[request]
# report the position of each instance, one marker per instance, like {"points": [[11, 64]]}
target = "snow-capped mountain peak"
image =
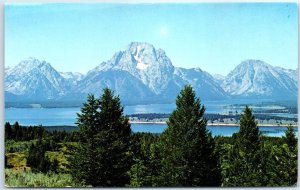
{"points": [[143, 66], [143, 74], [144, 62], [32, 63], [138, 50], [257, 78], [36, 79], [140, 47]]}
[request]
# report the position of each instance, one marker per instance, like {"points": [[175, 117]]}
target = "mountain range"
{"points": [[141, 74]]}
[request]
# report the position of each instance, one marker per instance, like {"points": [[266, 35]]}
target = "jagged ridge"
{"points": [[143, 74]]}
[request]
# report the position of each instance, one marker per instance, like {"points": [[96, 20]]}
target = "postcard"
{"points": [[151, 94]]}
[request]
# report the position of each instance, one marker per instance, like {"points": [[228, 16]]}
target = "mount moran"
{"points": [[142, 74]]}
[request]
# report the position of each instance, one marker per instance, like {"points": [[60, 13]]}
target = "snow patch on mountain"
{"points": [[144, 62], [257, 78], [72, 77], [290, 72], [35, 79], [219, 78], [142, 74]]}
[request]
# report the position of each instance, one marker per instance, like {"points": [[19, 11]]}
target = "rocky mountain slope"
{"points": [[36, 80], [141, 74], [257, 79]]}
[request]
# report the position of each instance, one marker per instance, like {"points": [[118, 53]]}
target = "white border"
{"points": [[2, 2], [148, 1]]}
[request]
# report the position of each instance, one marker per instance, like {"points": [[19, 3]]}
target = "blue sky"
{"points": [[213, 36]]}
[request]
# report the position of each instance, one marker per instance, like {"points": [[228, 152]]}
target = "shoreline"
{"points": [[210, 124], [165, 123]]}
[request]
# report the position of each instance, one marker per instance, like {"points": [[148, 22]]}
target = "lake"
{"points": [[67, 116], [274, 131]]}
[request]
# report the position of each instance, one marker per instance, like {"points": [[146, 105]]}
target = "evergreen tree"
{"points": [[291, 156], [17, 131], [241, 165], [7, 164], [37, 159], [278, 163], [83, 161], [103, 157], [290, 138], [268, 165], [54, 166], [145, 170], [187, 148], [248, 137], [8, 131]]}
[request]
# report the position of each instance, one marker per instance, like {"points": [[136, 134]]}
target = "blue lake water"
{"points": [[274, 131], [67, 116]]}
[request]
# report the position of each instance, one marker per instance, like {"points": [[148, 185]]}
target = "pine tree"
{"points": [[290, 138], [17, 131], [8, 131], [103, 157], [83, 161], [248, 136], [145, 170], [187, 147], [54, 166], [37, 159], [6, 161], [241, 165], [268, 165], [291, 156]]}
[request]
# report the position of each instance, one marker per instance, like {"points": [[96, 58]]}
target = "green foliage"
{"points": [[17, 146], [8, 131], [145, 170], [241, 163], [36, 158], [104, 152], [103, 157], [248, 136], [54, 166], [19, 133], [290, 138], [188, 157], [290, 156], [16, 159], [29, 179], [278, 162], [59, 160], [254, 160], [139, 175]]}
